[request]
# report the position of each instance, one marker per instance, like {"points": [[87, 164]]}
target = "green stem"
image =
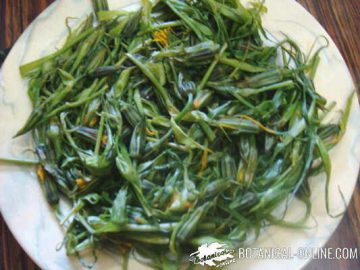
{"points": [[19, 161], [99, 134], [211, 68], [27, 68]]}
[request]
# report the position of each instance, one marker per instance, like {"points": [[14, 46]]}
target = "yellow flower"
{"points": [[80, 182], [104, 139], [162, 36], [41, 173], [204, 161], [150, 132], [93, 122], [197, 103]]}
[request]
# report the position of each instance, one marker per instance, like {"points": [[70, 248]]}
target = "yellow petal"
{"points": [[41, 173], [80, 182]]}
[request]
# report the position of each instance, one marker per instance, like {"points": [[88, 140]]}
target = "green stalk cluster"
{"points": [[173, 124]]}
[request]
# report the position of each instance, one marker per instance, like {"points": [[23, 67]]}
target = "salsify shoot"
{"points": [[174, 125]]}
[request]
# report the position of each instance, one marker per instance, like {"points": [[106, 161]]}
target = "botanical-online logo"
{"points": [[214, 254]]}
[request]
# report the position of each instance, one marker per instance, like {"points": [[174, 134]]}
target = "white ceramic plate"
{"points": [[33, 223]]}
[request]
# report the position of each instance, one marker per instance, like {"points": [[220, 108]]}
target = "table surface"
{"points": [[341, 20]]}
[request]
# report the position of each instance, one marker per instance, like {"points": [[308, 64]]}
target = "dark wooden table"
{"points": [[341, 18]]}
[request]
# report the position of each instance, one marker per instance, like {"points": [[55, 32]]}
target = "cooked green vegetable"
{"points": [[172, 125]]}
